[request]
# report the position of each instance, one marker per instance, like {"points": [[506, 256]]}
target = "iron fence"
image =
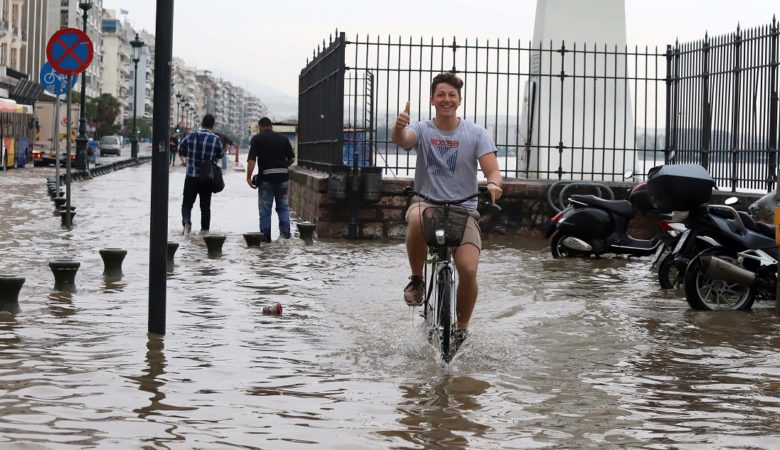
{"points": [[723, 103], [555, 111]]}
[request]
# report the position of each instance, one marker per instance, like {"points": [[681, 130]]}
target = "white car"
{"points": [[110, 145]]}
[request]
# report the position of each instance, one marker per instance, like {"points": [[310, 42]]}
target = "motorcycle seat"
{"points": [[759, 227], [619, 207]]}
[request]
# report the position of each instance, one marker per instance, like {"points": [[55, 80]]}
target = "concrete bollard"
{"points": [[253, 238], [306, 230], [64, 274], [9, 293], [172, 246], [64, 213], [214, 243], [112, 262]]}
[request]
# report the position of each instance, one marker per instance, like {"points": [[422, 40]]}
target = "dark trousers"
{"points": [[192, 189]]}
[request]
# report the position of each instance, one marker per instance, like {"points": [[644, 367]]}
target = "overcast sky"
{"points": [[269, 41]]}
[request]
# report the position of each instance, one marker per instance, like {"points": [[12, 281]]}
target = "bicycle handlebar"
{"points": [[410, 192]]}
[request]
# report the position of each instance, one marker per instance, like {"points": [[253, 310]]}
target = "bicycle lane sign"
{"points": [[55, 82], [69, 51]]}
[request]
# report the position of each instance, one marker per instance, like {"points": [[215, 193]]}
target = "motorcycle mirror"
{"points": [[628, 174], [731, 200]]}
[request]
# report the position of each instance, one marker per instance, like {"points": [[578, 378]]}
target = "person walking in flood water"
{"points": [[273, 154], [448, 151], [197, 147]]}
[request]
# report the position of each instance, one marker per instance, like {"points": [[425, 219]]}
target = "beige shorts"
{"points": [[471, 235]]}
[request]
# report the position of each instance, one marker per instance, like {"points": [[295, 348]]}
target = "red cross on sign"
{"points": [[69, 51]]}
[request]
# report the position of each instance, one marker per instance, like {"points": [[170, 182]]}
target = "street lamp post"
{"points": [[81, 139], [178, 110], [137, 44], [185, 113]]}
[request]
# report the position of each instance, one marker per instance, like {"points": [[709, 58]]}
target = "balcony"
{"points": [[4, 28]]}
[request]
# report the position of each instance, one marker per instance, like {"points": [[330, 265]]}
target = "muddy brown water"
{"points": [[563, 353]]}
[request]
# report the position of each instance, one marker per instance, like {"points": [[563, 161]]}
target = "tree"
{"points": [[102, 111], [143, 127]]}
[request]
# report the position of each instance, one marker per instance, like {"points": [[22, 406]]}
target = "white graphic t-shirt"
{"points": [[447, 160]]}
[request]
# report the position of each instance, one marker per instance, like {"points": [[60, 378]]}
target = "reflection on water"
{"points": [[562, 353], [441, 413]]}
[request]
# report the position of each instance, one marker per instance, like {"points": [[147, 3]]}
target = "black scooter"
{"points": [[591, 225]]}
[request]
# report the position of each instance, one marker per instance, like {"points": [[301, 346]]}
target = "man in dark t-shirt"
{"points": [[273, 154]]}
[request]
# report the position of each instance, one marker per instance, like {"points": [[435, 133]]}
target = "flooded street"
{"points": [[562, 353]]}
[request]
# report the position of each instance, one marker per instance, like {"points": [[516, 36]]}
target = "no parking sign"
{"points": [[69, 51]]}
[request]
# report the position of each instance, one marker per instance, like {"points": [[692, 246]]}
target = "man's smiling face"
{"points": [[445, 100]]}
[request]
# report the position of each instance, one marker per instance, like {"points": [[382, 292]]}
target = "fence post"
{"points": [[773, 63], [705, 116], [674, 81], [560, 145], [735, 115]]}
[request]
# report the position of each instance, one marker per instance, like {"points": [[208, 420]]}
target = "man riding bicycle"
{"points": [[448, 150]]}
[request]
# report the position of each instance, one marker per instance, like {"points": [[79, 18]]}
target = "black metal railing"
{"points": [[556, 111], [321, 106], [723, 106]]}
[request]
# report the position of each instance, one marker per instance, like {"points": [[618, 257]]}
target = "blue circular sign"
{"points": [[55, 82]]}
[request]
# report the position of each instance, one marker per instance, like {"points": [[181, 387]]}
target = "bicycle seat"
{"points": [[619, 207]]}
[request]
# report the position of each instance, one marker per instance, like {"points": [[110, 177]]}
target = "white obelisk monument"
{"points": [[590, 113]]}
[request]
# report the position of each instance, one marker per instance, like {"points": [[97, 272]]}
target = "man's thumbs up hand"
{"points": [[403, 119]]}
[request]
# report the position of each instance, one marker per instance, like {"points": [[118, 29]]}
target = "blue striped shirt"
{"points": [[197, 146]]}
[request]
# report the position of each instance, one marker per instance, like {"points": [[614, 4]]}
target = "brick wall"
{"points": [[524, 205]]}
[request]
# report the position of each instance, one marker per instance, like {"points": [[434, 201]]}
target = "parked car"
{"points": [[110, 145]]}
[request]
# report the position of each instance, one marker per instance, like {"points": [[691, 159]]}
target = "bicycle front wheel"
{"points": [[444, 308]]}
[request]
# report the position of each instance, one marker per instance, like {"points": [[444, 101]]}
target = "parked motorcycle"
{"points": [[684, 189], [739, 269], [591, 225], [669, 276]]}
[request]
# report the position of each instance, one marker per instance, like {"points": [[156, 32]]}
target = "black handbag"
{"points": [[210, 173], [211, 176]]}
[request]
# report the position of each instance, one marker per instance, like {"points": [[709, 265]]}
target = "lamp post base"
{"points": [[134, 147]]}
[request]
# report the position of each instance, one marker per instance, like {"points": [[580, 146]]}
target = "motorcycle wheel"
{"points": [[708, 294], [559, 250], [668, 275]]}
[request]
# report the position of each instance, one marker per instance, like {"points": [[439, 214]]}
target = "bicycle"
{"points": [[443, 226]]}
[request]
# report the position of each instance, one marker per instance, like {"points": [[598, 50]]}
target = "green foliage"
{"points": [[102, 111], [143, 127]]}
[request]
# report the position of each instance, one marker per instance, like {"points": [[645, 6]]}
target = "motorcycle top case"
{"points": [[679, 187]]}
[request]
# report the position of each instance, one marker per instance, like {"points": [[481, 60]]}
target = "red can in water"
{"points": [[274, 310]]}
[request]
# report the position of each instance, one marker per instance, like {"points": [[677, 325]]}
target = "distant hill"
{"points": [[280, 105]]}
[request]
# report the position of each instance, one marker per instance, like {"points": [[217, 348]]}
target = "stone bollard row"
{"points": [[64, 271]]}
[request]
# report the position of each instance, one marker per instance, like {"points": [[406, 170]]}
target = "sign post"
{"points": [[69, 52], [57, 84]]}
